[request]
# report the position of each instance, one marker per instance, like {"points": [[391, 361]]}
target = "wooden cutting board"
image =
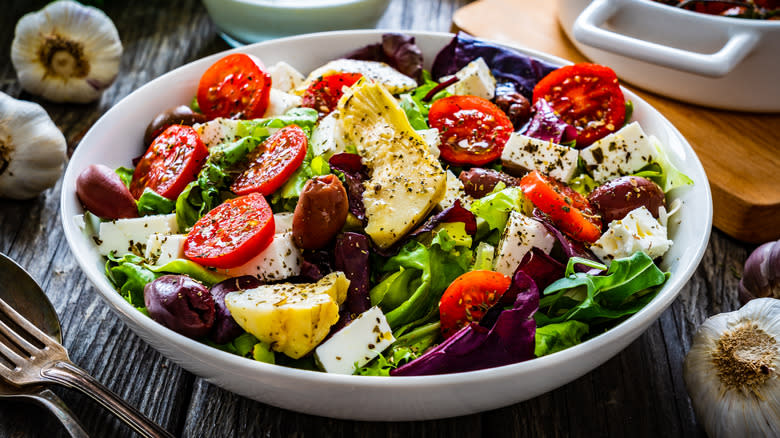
{"points": [[739, 151]]}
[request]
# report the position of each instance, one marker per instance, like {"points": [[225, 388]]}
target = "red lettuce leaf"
{"points": [[541, 267], [355, 173], [502, 337], [506, 65], [453, 213], [351, 254], [397, 50], [570, 248], [546, 125]]}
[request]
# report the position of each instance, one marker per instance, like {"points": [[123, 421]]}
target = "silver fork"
{"points": [[50, 364]]}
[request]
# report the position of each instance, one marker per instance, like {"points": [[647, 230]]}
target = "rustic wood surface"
{"points": [[738, 150], [640, 392]]}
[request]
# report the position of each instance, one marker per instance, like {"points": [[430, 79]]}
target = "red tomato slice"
{"points": [[235, 87], [586, 96], [324, 93], [468, 298], [569, 210], [472, 129], [231, 234], [272, 163], [173, 160]]}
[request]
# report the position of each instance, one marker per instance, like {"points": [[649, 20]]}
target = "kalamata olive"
{"points": [[321, 212], [514, 104], [181, 304], [103, 193], [180, 115], [225, 328], [616, 198], [478, 182]]}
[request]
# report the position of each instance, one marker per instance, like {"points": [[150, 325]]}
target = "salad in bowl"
{"points": [[398, 210]]}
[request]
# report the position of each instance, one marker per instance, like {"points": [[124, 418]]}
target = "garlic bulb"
{"points": [[32, 149], [732, 370], [66, 52]]}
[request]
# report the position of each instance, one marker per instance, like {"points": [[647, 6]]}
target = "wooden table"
{"points": [[640, 392]]}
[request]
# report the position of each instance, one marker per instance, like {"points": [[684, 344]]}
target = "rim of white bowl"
{"points": [[634, 323]]}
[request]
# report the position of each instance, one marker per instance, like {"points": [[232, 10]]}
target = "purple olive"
{"points": [[225, 327], [478, 182], [103, 193], [180, 115], [181, 304], [615, 199]]}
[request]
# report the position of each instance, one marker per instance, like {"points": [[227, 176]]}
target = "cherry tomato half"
{"points": [[324, 93], [235, 87], [468, 298], [173, 160], [472, 129], [272, 163], [586, 96], [232, 233], [569, 210]]}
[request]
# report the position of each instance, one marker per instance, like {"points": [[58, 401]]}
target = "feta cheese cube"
{"points": [[123, 236], [284, 77], [638, 231], [520, 235], [621, 153], [474, 79], [455, 190], [162, 248], [218, 131], [327, 137], [524, 154], [283, 223], [280, 102], [279, 260], [432, 139], [356, 344]]}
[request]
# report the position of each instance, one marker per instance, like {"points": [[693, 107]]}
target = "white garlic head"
{"points": [[32, 149], [731, 371], [66, 52]]}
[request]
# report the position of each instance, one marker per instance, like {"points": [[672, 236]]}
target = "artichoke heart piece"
{"points": [[292, 318], [395, 81], [406, 181]]}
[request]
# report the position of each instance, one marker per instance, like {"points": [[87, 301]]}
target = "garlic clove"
{"points": [[66, 52], [32, 149], [731, 371]]}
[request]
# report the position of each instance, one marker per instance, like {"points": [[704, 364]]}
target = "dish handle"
{"points": [[587, 30]]}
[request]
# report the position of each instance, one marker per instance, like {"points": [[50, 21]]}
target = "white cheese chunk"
{"points": [[162, 248], [218, 131], [432, 139], [621, 153], [394, 81], [455, 190], [356, 344], [524, 154], [474, 79], [638, 231], [284, 77], [520, 235], [283, 222], [279, 260], [280, 102], [327, 137], [123, 236]]}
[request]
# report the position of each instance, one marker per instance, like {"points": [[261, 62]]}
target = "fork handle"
{"points": [[46, 398], [71, 376]]}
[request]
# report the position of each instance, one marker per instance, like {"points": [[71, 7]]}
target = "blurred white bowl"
{"points": [[117, 138], [721, 62], [250, 21]]}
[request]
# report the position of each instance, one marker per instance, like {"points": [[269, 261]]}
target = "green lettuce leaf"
{"points": [[129, 276], [151, 203], [405, 349], [190, 269], [494, 208], [556, 337], [125, 174]]}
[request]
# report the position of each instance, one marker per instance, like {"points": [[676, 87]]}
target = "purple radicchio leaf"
{"points": [[316, 264], [542, 268], [351, 256], [225, 328], [453, 213], [397, 50], [547, 126], [502, 337], [571, 248], [507, 65], [355, 173]]}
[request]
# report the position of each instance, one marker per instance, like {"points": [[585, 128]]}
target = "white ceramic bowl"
{"points": [[356, 397], [721, 62], [250, 21]]}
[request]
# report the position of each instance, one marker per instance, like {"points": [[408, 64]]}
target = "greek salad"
{"points": [[376, 218]]}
